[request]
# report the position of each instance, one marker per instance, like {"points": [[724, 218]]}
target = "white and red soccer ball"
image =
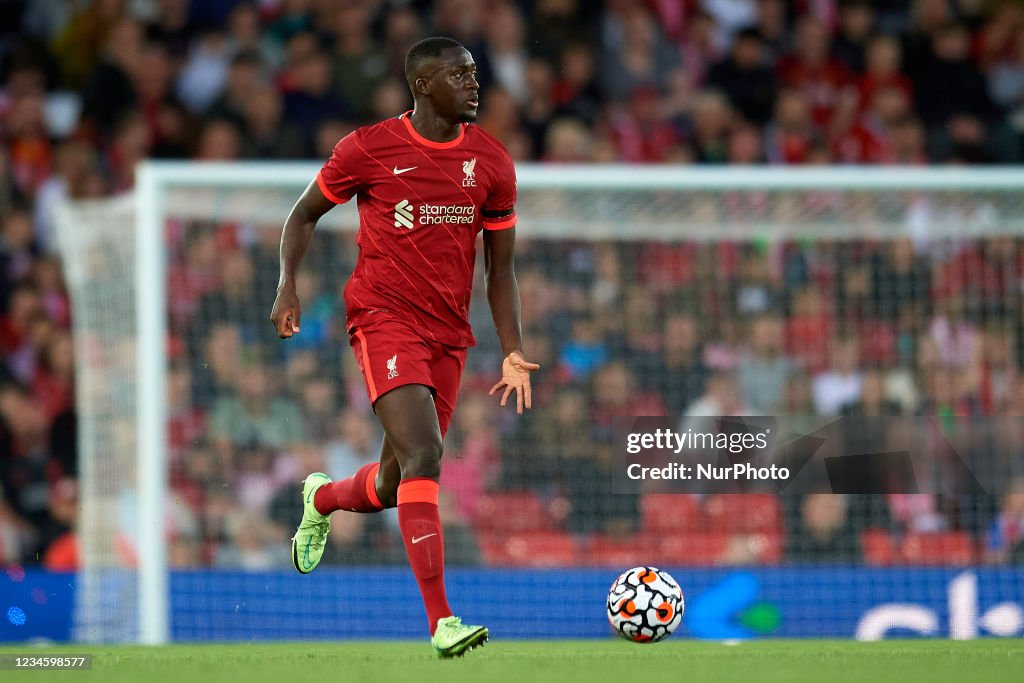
{"points": [[645, 605]]}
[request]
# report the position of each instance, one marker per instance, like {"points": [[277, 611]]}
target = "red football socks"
{"points": [[358, 493], [424, 543]]}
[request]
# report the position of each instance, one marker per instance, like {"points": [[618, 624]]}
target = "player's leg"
{"points": [[321, 496], [357, 493], [372, 488], [412, 429], [389, 476]]}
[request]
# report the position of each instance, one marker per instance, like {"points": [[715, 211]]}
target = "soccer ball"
{"points": [[645, 605]]}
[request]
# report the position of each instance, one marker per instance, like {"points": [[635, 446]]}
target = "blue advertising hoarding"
{"points": [[376, 603]]}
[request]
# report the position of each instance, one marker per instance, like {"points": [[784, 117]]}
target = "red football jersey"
{"points": [[421, 204]]}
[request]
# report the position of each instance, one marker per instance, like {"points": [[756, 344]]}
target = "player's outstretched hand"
{"points": [[515, 376], [286, 313]]}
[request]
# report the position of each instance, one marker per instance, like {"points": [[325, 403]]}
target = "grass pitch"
{"points": [[591, 661]]}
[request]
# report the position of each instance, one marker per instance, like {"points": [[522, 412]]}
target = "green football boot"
{"points": [[454, 639], [311, 537]]}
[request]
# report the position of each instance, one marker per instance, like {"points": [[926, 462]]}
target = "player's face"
{"points": [[454, 87]]}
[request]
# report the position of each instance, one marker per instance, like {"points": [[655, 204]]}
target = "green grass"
{"points": [[905, 661]]}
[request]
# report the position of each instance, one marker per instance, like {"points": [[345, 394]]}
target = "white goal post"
{"points": [[557, 202]]}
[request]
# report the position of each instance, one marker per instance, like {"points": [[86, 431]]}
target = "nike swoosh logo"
{"points": [[310, 496], [400, 171], [308, 562], [417, 539]]}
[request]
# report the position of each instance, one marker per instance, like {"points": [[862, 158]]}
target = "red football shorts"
{"points": [[391, 354]]}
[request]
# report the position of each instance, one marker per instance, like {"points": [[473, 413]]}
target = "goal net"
{"points": [[864, 294]]}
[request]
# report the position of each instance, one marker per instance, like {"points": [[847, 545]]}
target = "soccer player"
{"points": [[427, 182]]}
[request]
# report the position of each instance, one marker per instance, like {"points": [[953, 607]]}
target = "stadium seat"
{"points": [[747, 512], [533, 549], [879, 548], [951, 548], [670, 512], [622, 551], [700, 549], [513, 512]]}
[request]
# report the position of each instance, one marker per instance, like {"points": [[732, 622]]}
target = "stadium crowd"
{"points": [[89, 88]]}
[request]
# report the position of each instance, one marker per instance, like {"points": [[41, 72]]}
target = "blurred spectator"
{"points": [[586, 350], [554, 24], [267, 136], [711, 117], [246, 35], [956, 339], [615, 393], [232, 302], [872, 401], [242, 81], [635, 54], [856, 25], [319, 406], [53, 378], [809, 323], [18, 248], [797, 397], [745, 146], [947, 83], [841, 383], [62, 554], [402, 28], [75, 166], [567, 141], [505, 57], [1005, 539], [252, 415], [884, 62], [731, 16], [679, 373], [110, 88], [78, 46], [26, 470], [576, 93], [354, 443], [1000, 370], [724, 349], [359, 64], [173, 26], [472, 455], [219, 140], [823, 80], [823, 531], [204, 73], [746, 79], [763, 372], [791, 136], [901, 282], [309, 98], [721, 397], [773, 27]]}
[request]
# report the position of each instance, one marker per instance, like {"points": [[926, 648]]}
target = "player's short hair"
{"points": [[428, 48]]}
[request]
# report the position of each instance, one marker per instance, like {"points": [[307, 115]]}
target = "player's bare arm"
{"points": [[503, 297], [298, 231]]}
